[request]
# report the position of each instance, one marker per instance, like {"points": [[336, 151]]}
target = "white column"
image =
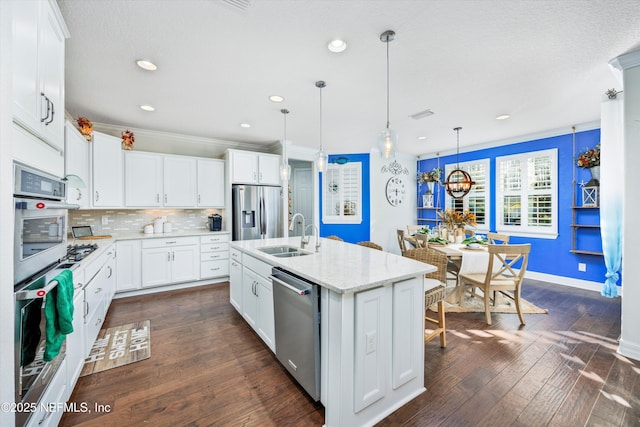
{"points": [[629, 64]]}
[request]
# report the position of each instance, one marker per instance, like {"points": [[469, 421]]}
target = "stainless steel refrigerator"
{"points": [[257, 212]]}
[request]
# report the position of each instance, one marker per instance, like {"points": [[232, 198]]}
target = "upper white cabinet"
{"points": [[179, 181], [248, 167], [39, 35], [143, 175], [76, 161], [107, 171], [210, 183]]}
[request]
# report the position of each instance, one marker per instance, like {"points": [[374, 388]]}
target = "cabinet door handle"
{"points": [[110, 272], [86, 309], [168, 256], [255, 177], [53, 113], [42, 119], [198, 199], [97, 195], [79, 194], [173, 256], [260, 176], [98, 321], [157, 197], [233, 264], [165, 198]]}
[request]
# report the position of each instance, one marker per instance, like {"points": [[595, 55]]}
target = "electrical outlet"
{"points": [[163, 218], [582, 266], [105, 220], [371, 342]]}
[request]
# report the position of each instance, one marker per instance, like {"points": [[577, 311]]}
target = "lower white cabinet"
{"points": [[128, 265], [257, 299], [98, 292], [172, 260], [214, 255], [235, 279]]}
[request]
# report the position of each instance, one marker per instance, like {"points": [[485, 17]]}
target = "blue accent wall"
{"points": [[352, 233], [550, 256]]}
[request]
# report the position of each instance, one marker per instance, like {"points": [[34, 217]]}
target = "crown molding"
{"points": [[626, 61]]}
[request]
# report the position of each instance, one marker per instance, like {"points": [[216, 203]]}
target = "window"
{"points": [[477, 201], [526, 195], [342, 194]]}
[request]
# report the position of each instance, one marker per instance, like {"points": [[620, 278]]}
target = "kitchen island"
{"points": [[371, 321]]}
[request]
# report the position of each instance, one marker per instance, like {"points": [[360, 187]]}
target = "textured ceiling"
{"points": [[544, 62]]}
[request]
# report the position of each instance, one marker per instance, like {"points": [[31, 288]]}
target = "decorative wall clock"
{"points": [[395, 191]]}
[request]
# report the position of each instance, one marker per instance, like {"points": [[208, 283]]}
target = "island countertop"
{"points": [[339, 266]]}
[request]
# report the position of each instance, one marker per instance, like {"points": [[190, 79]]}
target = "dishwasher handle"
{"points": [[298, 291]]}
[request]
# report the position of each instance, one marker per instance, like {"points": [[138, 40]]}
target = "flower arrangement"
{"points": [[454, 219], [127, 139], [432, 176], [85, 127], [589, 158]]}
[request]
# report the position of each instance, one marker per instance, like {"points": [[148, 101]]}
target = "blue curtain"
{"points": [[611, 191]]}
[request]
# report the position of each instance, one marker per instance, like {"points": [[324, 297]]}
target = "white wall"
{"points": [[6, 213], [630, 336], [386, 219]]}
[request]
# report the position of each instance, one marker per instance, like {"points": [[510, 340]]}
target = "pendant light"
{"points": [[322, 159], [388, 138], [285, 169], [458, 183]]}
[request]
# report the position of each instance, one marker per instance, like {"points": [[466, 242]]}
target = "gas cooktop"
{"points": [[78, 252]]}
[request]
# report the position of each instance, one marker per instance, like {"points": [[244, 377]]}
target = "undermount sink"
{"points": [[283, 251]]}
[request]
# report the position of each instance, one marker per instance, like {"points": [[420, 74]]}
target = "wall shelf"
{"points": [[588, 230]]}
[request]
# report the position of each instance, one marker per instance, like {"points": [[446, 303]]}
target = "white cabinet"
{"points": [[143, 175], [39, 35], [76, 162], [107, 171], [214, 256], [179, 181], [128, 265], [257, 299], [248, 167], [98, 292], [235, 279], [75, 341], [210, 183], [170, 260]]}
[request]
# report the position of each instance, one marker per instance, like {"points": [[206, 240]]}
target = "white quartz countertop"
{"points": [[339, 266]]}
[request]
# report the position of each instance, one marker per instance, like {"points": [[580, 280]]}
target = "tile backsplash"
{"points": [[120, 221]]}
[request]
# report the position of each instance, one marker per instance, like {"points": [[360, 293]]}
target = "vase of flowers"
{"points": [[590, 159], [127, 140], [85, 127], [454, 220], [430, 178]]}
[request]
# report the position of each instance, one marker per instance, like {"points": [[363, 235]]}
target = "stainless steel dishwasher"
{"points": [[297, 328]]}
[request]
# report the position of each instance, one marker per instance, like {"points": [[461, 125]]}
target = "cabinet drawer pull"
{"points": [[98, 290], [216, 268], [98, 321], [173, 242]]}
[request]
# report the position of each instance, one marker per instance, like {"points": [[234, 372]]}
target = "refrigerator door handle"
{"points": [[263, 217]]}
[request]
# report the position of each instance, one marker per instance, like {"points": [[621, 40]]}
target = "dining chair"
{"points": [[401, 242], [435, 289], [370, 245], [333, 237], [422, 240], [502, 275], [413, 229], [497, 238]]}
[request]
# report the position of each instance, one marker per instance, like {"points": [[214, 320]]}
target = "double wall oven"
{"points": [[40, 245]]}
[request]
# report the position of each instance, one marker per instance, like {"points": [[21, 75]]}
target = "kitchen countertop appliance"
{"points": [[296, 303], [257, 212], [215, 222]]}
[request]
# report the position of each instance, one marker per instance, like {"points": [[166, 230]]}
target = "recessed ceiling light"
{"points": [[146, 65], [337, 45], [245, 125], [276, 98], [503, 117], [147, 108], [422, 114], [422, 137]]}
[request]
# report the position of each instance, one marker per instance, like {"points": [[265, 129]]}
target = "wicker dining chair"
{"points": [[435, 289], [333, 237], [401, 242], [370, 245]]}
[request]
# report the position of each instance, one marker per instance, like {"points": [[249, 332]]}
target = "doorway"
{"points": [[300, 194]]}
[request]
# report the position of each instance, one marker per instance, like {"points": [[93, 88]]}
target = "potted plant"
{"points": [[590, 159]]}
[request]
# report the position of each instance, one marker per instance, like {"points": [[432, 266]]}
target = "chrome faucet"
{"points": [[303, 241], [317, 235]]}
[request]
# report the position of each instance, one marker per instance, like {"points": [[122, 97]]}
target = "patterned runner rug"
{"points": [[119, 346]]}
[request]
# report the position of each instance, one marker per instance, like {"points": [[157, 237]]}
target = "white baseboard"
{"points": [[629, 349], [568, 281], [166, 288]]}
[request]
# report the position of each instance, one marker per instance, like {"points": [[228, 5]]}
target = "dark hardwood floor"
{"points": [[207, 368]]}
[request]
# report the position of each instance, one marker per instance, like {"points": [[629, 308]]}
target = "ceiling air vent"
{"points": [[238, 4]]}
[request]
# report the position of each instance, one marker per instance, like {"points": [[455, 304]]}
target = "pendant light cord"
{"points": [[387, 82], [321, 118]]}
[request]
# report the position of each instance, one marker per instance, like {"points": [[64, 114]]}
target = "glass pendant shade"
{"points": [[285, 169], [322, 159], [388, 143]]}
